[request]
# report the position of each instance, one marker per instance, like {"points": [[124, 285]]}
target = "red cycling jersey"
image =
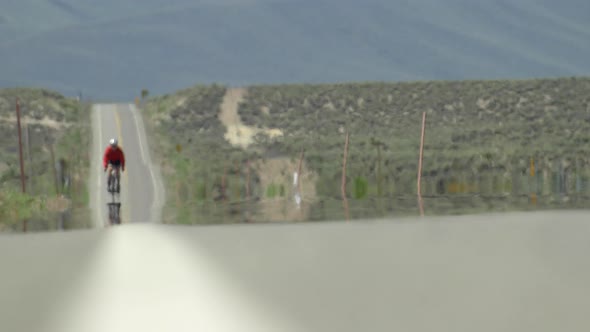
{"points": [[113, 155]]}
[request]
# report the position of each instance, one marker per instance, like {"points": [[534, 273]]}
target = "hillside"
{"points": [[54, 132], [481, 138], [114, 50]]}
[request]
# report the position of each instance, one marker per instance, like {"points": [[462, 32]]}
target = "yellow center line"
{"points": [[124, 174]]}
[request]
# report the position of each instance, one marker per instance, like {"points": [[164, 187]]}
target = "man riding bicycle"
{"points": [[113, 158]]}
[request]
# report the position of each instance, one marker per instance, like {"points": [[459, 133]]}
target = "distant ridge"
{"points": [[112, 51]]}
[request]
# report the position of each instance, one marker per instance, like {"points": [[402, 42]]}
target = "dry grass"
{"points": [[48, 120], [481, 136]]}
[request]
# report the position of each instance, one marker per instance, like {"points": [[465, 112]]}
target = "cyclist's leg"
{"points": [[118, 176], [118, 172], [109, 177]]}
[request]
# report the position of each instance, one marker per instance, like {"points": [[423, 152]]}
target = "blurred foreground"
{"points": [[503, 272]]}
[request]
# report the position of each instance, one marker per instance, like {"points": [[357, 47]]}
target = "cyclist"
{"points": [[113, 158]]}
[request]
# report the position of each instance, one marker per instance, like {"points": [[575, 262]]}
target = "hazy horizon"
{"points": [[112, 52]]}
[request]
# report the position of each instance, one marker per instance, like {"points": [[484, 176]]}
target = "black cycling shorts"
{"points": [[115, 163]]}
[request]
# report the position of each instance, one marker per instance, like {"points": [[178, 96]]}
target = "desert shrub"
{"points": [[474, 128], [361, 188]]}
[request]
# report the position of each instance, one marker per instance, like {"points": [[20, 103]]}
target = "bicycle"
{"points": [[113, 179], [113, 187], [114, 213]]}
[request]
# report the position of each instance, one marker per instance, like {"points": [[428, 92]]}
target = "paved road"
{"points": [[140, 199]]}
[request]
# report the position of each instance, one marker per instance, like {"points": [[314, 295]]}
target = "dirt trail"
{"points": [[237, 133], [45, 121], [275, 172]]}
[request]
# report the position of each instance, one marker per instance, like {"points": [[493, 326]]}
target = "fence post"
{"points": [[533, 187], [248, 180], [343, 185], [419, 181], [297, 181], [29, 158], [299, 170], [237, 193], [20, 152], [223, 178], [560, 177], [54, 168], [379, 178], [20, 146], [248, 190]]}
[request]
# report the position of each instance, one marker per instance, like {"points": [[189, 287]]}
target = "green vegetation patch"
{"points": [[199, 166], [482, 137], [473, 127], [56, 138]]}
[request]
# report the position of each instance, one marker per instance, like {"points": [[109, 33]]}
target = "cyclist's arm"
{"points": [[122, 160], [105, 159]]}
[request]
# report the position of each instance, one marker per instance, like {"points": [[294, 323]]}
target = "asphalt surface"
{"points": [[509, 272], [141, 188], [504, 272]]}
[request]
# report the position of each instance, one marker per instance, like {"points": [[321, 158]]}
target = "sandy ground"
{"points": [[237, 133], [46, 121], [278, 171], [506, 272]]}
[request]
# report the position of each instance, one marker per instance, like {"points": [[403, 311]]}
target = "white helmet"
{"points": [[113, 142]]}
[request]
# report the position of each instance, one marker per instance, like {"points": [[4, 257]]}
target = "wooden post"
{"points": [[223, 197], [419, 182], [20, 147], [238, 182], [20, 152], [560, 178], [533, 187], [248, 190], [343, 185], [29, 157], [379, 179], [248, 180], [238, 188], [297, 195], [299, 170], [224, 200], [54, 169]]}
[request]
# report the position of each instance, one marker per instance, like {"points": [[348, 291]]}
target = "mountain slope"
{"points": [[114, 53]]}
